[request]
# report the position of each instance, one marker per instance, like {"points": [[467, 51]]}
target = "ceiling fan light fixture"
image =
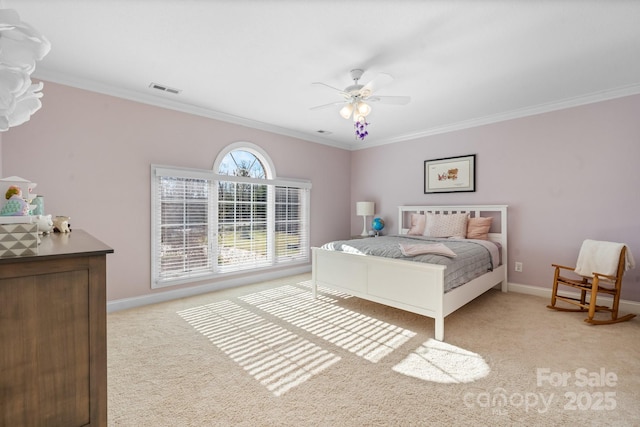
{"points": [[363, 108], [346, 111], [355, 97]]}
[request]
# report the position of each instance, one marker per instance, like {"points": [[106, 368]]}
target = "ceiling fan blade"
{"points": [[332, 104], [342, 92], [381, 80], [395, 100]]}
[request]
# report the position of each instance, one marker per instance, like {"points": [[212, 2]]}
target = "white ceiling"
{"points": [[464, 63]]}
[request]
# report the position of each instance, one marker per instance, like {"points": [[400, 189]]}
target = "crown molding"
{"points": [[577, 101]]}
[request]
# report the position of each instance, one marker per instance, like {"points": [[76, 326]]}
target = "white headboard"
{"points": [[497, 233]]}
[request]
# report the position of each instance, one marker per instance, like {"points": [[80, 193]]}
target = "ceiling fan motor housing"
{"points": [[355, 88]]}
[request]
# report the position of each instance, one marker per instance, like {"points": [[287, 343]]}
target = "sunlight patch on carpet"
{"points": [[276, 357], [443, 363], [365, 336]]}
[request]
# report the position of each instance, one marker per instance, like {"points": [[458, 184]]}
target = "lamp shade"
{"points": [[363, 109], [365, 208], [346, 111]]}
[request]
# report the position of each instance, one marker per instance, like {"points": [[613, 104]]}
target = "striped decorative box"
{"points": [[18, 239]]}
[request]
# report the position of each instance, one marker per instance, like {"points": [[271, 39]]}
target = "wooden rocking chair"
{"points": [[594, 283]]}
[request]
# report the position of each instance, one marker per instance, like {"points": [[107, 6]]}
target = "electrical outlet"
{"points": [[518, 266]]}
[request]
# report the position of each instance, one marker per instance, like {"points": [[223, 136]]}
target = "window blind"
{"points": [[291, 224], [261, 224], [182, 231]]}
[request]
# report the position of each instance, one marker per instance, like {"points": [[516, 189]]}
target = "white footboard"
{"points": [[407, 285]]}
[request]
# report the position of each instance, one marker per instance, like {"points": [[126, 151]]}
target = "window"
{"points": [[242, 163], [235, 218], [181, 225]]}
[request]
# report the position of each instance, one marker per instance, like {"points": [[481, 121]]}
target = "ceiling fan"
{"points": [[357, 98]]}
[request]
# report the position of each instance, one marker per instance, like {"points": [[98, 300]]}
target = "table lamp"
{"points": [[365, 209]]}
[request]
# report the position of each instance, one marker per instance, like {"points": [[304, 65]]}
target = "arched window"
{"points": [[244, 159], [234, 218], [242, 163]]}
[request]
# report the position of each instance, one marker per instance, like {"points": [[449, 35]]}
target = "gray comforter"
{"points": [[473, 258]]}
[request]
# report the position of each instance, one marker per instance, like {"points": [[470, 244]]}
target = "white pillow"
{"points": [[446, 225], [417, 225], [419, 249]]}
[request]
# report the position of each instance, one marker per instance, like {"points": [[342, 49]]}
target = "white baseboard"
{"points": [[126, 303], [624, 306]]}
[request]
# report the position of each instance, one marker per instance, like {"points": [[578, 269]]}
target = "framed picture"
{"points": [[451, 174]]}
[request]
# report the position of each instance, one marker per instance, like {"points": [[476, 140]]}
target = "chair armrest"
{"points": [[562, 266], [606, 276]]}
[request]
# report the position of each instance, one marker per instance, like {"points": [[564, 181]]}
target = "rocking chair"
{"points": [[599, 270]]}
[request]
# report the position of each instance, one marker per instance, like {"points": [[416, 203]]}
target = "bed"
{"points": [[417, 287]]}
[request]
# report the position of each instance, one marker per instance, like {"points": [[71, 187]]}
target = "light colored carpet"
{"points": [[269, 355]]}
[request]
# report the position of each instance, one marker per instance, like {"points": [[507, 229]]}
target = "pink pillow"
{"points": [[446, 225], [418, 222], [478, 228]]}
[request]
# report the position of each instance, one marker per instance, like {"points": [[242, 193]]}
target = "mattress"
{"points": [[472, 259]]}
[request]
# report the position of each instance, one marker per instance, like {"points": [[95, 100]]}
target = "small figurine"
{"points": [[61, 224], [45, 224], [16, 205]]}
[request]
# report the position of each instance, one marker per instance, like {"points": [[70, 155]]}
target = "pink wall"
{"points": [[91, 154], [567, 176]]}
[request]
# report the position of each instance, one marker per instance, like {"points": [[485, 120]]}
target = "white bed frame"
{"points": [[407, 285]]}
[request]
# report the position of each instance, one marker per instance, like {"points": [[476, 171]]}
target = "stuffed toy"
{"points": [[61, 224], [45, 224]]}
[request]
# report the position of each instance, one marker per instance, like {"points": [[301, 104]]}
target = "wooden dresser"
{"points": [[53, 350]]}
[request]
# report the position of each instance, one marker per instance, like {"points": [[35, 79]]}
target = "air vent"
{"points": [[164, 88]]}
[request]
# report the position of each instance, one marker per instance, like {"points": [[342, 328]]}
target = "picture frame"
{"points": [[450, 174]]}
